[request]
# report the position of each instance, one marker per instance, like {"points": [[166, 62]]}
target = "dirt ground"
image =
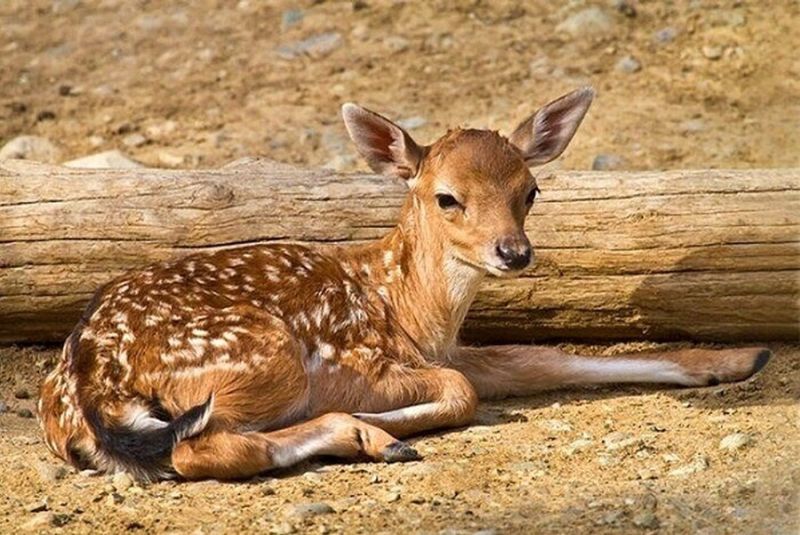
{"points": [[198, 84], [609, 460]]}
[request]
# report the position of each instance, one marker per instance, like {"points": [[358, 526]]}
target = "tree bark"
{"points": [[697, 255]]}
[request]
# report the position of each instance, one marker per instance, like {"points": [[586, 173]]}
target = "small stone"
{"points": [[735, 441], [392, 497], [22, 393], [556, 426], [310, 509], [647, 474], [618, 440], [3, 407], [134, 140], [579, 445], [34, 148], [45, 115], [698, 464], [122, 481], [110, 159], [607, 162], [291, 17], [665, 35], [283, 528], [170, 159], [589, 22], [395, 43], [628, 65], [96, 141], [316, 46], [161, 130], [624, 7], [115, 498], [646, 520], [37, 507], [411, 123], [175, 495], [712, 52], [692, 126], [51, 472], [39, 521], [24, 413]]}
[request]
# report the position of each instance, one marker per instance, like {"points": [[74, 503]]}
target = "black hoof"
{"points": [[399, 452], [761, 360]]}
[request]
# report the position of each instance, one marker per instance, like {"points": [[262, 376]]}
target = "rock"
{"points": [[96, 141], [665, 35], [34, 148], [45, 115], [282, 529], [51, 472], [3, 407], [114, 498], [589, 22], [607, 162], [629, 65], [395, 43], [735, 441], [22, 393], [39, 521], [310, 509], [393, 497], [291, 17], [556, 426], [619, 440], [698, 464], [110, 159], [579, 445], [161, 130], [22, 412], [692, 126], [169, 159], [122, 481], [134, 140], [624, 7], [411, 123], [712, 52], [37, 507], [646, 520], [316, 46]]}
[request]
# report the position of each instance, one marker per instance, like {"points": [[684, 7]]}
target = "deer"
{"points": [[234, 362]]}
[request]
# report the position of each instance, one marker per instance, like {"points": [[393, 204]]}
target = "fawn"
{"points": [[231, 363]]}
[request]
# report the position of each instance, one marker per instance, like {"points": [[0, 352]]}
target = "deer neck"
{"points": [[428, 290]]}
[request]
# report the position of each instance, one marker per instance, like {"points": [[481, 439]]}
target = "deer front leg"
{"points": [[513, 370], [429, 398]]}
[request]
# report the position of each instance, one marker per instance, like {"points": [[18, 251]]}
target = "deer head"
{"points": [[472, 189]]}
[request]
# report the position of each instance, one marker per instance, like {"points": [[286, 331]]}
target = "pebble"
{"points": [[735, 441], [110, 159], [628, 65], [51, 472], [692, 126], [161, 130], [134, 140], [395, 43], [170, 159], [411, 123], [22, 393], [24, 413], [310, 509], [607, 162], [665, 35], [698, 464], [34, 148], [3, 407], [712, 52], [591, 22], [122, 481], [556, 426], [283, 528], [39, 521], [316, 46], [37, 507], [646, 520], [579, 445], [625, 7], [619, 440], [392, 497], [115, 498]]}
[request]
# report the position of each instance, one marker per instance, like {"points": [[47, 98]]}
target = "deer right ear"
{"points": [[388, 149]]}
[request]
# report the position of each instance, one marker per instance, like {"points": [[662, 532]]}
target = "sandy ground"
{"points": [[195, 84], [610, 460]]}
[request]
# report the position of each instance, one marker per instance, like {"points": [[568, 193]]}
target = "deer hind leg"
{"points": [[430, 398], [233, 455]]}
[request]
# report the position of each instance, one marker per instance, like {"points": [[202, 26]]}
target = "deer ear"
{"points": [[388, 149], [543, 136]]}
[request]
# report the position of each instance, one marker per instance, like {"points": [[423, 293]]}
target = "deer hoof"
{"points": [[761, 360], [399, 452]]}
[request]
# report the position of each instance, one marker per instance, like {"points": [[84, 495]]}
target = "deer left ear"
{"points": [[388, 149], [543, 136]]}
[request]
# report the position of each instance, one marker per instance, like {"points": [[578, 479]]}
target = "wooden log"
{"points": [[699, 255]]}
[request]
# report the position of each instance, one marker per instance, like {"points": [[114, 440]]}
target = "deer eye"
{"points": [[532, 195], [446, 201]]}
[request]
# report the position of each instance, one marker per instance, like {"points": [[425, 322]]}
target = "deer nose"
{"points": [[515, 253]]}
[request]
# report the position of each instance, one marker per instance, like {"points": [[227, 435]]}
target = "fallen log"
{"points": [[699, 255]]}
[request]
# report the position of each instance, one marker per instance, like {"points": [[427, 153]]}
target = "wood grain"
{"points": [[699, 255]]}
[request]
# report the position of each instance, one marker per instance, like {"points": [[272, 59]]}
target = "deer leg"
{"points": [[232, 455], [429, 398], [502, 371]]}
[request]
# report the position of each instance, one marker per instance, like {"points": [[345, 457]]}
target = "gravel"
{"points": [[735, 441], [34, 148]]}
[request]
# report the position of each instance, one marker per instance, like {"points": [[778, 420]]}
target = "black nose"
{"points": [[514, 255]]}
